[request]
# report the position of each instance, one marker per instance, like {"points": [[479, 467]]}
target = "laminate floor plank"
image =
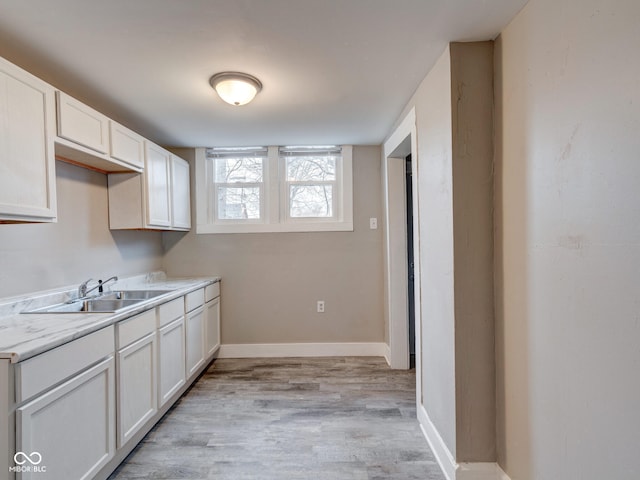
{"points": [[289, 419]]}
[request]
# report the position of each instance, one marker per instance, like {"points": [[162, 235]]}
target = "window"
{"points": [[310, 181], [237, 177], [274, 189]]}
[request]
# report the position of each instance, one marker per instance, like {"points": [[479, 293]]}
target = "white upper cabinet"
{"points": [[157, 199], [87, 137], [126, 145], [82, 124], [180, 194], [158, 188], [27, 161]]}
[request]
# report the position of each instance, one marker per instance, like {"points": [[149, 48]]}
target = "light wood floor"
{"points": [[290, 419]]}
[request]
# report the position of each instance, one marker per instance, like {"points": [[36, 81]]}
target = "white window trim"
{"points": [[275, 221]]}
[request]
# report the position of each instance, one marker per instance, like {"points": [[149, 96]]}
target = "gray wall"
{"points": [[435, 190], [472, 126], [454, 126], [44, 256], [568, 241], [271, 282]]}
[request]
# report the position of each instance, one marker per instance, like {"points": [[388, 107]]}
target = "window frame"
{"points": [[275, 218]]}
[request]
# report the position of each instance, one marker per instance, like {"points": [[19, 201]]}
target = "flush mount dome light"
{"points": [[235, 88]]}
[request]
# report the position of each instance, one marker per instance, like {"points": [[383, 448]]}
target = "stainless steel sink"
{"points": [[95, 305], [133, 294], [107, 303]]}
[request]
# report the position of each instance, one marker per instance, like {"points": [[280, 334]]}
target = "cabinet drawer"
{"points": [[82, 124], [126, 145], [45, 370], [194, 300], [135, 328], [170, 311], [211, 291]]}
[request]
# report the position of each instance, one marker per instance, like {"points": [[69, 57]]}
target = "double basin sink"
{"points": [[109, 302]]}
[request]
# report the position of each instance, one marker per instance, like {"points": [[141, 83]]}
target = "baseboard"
{"points": [[451, 469], [250, 350], [501, 474], [438, 447], [387, 354], [480, 471]]}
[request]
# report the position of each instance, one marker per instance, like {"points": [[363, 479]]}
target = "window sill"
{"points": [[276, 227]]}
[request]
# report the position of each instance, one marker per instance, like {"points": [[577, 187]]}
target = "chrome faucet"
{"points": [[83, 291], [101, 283]]}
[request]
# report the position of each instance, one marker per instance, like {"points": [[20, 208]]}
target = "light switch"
{"points": [[373, 223]]}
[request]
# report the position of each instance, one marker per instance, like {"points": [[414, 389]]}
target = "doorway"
{"points": [[402, 306], [411, 306]]}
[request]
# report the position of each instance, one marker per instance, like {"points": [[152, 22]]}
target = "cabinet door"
{"points": [[195, 340], [126, 145], [212, 326], [81, 124], [156, 172], [172, 374], [136, 387], [72, 427], [180, 194], [27, 158]]}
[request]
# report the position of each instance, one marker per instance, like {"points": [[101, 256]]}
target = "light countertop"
{"points": [[23, 336]]}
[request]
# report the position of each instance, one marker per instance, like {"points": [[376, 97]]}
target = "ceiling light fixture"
{"points": [[235, 88]]}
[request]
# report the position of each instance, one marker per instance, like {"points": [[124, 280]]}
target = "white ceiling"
{"points": [[334, 71]]}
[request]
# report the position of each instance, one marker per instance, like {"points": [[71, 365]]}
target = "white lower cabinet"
{"points": [[171, 359], [71, 427], [195, 340], [136, 387], [136, 364], [80, 408], [212, 326]]}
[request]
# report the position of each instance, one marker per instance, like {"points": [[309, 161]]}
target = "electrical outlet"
{"points": [[373, 223], [320, 306]]}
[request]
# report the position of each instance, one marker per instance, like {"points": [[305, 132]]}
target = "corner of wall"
{"points": [[472, 165]]}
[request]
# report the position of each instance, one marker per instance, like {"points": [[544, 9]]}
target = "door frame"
{"points": [[403, 141]]}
